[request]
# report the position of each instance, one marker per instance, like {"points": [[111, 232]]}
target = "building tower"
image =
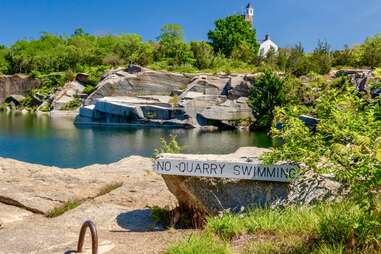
{"points": [[249, 13]]}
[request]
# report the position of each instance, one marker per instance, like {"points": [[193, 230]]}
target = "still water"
{"points": [[55, 141]]}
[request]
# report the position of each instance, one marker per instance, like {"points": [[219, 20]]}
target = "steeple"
{"points": [[249, 14]]}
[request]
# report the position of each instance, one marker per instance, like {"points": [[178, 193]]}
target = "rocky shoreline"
{"points": [[29, 192]]}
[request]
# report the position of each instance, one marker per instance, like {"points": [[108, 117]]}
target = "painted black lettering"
{"points": [[163, 166], [213, 168], [236, 170], [262, 173], [222, 166], [181, 167], [198, 168], [246, 170], [205, 168], [270, 173]]}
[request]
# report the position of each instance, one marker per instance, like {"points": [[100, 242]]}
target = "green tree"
{"points": [[230, 33], [244, 52], [322, 58], [371, 51], [298, 63], [267, 93], [172, 47], [133, 50], [203, 54], [4, 65], [344, 57]]}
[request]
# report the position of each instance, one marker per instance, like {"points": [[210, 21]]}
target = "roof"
{"points": [[249, 5]]}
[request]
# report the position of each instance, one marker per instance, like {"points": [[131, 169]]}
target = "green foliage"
{"points": [[4, 65], [244, 52], [203, 54], [89, 89], [58, 211], [172, 48], [168, 146], [161, 215], [72, 105], [196, 244], [344, 57], [346, 137], [346, 142], [344, 226], [130, 49], [267, 93], [230, 33], [109, 188], [371, 51], [322, 58], [227, 227], [323, 228]]}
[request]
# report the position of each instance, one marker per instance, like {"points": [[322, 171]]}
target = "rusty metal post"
{"points": [[94, 237]]}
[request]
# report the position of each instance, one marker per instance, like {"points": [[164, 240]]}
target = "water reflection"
{"points": [[56, 141]]}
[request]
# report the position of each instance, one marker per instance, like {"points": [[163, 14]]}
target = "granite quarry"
{"points": [[138, 96]]}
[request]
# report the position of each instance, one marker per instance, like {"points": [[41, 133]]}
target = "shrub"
{"points": [[322, 58], [267, 93], [203, 54], [371, 51], [168, 146], [71, 105]]}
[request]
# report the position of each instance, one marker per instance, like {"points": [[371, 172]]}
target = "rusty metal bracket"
{"points": [[94, 237]]}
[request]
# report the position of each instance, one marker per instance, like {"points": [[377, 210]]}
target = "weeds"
{"points": [[196, 244], [168, 146], [109, 187], [324, 228], [70, 205]]}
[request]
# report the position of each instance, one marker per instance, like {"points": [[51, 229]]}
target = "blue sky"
{"points": [[288, 21]]}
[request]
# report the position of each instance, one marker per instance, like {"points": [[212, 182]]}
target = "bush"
{"points": [[267, 93], [203, 54], [371, 51], [72, 105], [168, 146], [322, 58]]}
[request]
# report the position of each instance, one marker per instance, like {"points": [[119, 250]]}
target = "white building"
{"points": [[266, 45]]}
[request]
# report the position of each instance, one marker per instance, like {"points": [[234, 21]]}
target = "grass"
{"points": [[161, 215], [58, 211], [199, 243], [70, 205], [325, 228], [71, 105], [109, 187]]}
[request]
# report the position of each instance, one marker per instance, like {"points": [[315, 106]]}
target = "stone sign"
{"points": [[221, 169]]}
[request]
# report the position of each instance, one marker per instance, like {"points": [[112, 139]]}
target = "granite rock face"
{"points": [[311, 188], [68, 93], [40, 189], [137, 82], [129, 97], [16, 84]]}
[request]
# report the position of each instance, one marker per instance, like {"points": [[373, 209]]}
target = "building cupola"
{"points": [[249, 14]]}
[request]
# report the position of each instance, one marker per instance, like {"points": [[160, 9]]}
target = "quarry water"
{"points": [[56, 141]]}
